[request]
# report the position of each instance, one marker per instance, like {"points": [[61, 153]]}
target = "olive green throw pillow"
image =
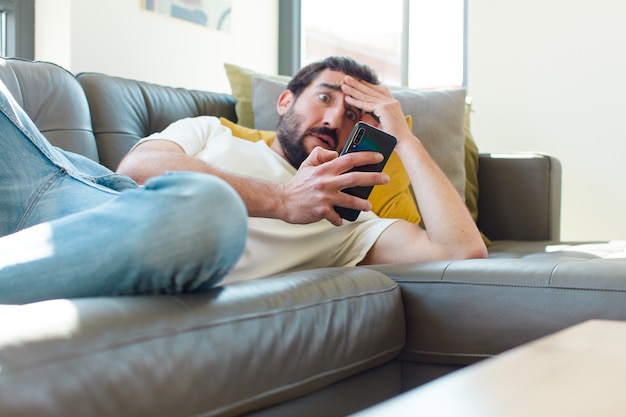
{"points": [[240, 80], [471, 168]]}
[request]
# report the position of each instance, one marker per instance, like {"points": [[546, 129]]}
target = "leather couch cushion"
{"points": [[234, 349], [459, 312]]}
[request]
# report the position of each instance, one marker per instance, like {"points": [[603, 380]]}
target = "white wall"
{"points": [[548, 76], [118, 37]]}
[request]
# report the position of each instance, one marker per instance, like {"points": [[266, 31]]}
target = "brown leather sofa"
{"points": [[324, 342]]}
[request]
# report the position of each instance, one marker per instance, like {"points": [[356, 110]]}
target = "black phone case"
{"points": [[365, 137]]}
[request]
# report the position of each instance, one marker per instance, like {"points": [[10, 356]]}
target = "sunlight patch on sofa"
{"points": [[54, 319]]}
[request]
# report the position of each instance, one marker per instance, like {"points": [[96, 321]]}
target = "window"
{"points": [[17, 28], [3, 32], [416, 43], [363, 29]]}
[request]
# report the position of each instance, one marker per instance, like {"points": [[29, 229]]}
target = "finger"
{"points": [[365, 88], [360, 179], [319, 156], [354, 202], [334, 218], [371, 119], [354, 159], [348, 201], [370, 101]]}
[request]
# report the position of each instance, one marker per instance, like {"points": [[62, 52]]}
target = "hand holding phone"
{"points": [[365, 137]]}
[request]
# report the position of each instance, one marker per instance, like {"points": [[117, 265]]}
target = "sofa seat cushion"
{"points": [[459, 312], [233, 349]]}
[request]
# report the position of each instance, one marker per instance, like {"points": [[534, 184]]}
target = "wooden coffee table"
{"points": [[580, 371]]}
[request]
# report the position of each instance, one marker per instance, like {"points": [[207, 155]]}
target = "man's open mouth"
{"points": [[327, 141]]}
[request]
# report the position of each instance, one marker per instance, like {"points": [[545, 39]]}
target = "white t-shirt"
{"points": [[273, 246]]}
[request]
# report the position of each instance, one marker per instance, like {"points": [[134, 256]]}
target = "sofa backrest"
{"points": [[101, 116], [54, 100], [124, 111]]}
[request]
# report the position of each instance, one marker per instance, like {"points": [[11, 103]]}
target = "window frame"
{"points": [[19, 32]]}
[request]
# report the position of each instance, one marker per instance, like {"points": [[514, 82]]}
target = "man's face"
{"points": [[319, 117]]}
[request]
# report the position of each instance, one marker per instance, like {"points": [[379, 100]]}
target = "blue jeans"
{"points": [[69, 227]]}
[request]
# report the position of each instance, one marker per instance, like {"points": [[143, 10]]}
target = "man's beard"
{"points": [[292, 142]]}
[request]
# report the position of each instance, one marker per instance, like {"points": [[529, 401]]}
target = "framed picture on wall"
{"points": [[214, 14]]}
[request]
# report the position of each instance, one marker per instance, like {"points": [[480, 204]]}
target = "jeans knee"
{"points": [[220, 212], [206, 224]]}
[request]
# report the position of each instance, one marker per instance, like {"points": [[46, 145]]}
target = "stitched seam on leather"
{"points": [[18, 80], [482, 284], [302, 307], [174, 331], [453, 354], [74, 129], [296, 384]]}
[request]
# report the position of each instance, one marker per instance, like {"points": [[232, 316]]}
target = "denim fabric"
{"points": [[72, 228]]}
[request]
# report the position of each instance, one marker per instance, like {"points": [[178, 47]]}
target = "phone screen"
{"points": [[365, 137]]}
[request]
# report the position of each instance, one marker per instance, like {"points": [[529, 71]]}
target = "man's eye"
{"points": [[352, 115], [323, 97]]}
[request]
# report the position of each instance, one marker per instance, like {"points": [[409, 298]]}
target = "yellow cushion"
{"points": [[395, 200], [247, 133]]}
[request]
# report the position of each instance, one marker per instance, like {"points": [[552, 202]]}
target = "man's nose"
{"points": [[334, 116]]}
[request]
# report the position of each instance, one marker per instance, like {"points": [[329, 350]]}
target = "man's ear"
{"points": [[285, 100]]}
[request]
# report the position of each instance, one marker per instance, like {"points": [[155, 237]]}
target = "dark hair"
{"points": [[344, 64]]}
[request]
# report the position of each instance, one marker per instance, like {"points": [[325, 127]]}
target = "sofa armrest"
{"points": [[520, 196]]}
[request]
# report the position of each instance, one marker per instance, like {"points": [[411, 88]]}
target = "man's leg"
{"points": [[39, 182], [181, 232], [67, 235]]}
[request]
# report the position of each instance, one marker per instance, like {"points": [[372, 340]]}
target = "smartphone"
{"points": [[365, 137]]}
